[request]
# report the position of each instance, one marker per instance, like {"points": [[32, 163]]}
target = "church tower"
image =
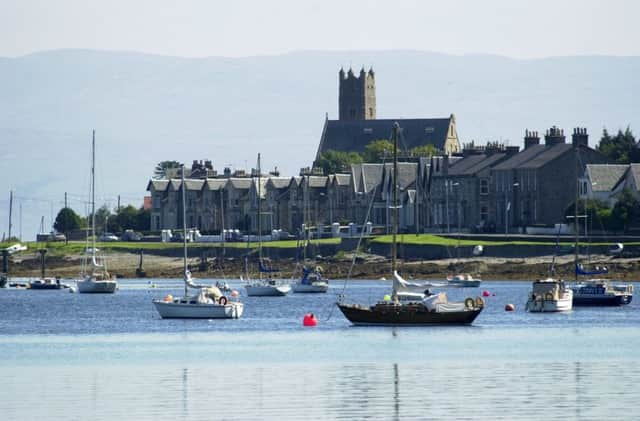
{"points": [[357, 100]]}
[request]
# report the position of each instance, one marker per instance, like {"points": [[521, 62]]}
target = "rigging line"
{"points": [[355, 253]]}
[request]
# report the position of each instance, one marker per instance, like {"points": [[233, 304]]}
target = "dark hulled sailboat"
{"points": [[433, 310]]}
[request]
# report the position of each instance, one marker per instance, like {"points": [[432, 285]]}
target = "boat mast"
{"points": [[396, 129], [184, 228], [93, 193], [259, 222], [576, 225]]}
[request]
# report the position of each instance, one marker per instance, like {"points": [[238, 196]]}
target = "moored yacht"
{"points": [[312, 281], [463, 280], [549, 295], [599, 292]]}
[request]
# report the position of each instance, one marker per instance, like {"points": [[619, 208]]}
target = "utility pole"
{"points": [[118, 210], [65, 199], [20, 221], [10, 209]]}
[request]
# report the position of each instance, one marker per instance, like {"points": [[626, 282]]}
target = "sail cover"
{"points": [[399, 284], [598, 271]]}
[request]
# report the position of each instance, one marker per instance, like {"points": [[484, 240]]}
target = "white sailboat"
{"points": [[207, 303], [95, 277], [268, 287]]}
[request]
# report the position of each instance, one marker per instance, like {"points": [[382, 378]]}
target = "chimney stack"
{"points": [[531, 138], [554, 136], [580, 137]]}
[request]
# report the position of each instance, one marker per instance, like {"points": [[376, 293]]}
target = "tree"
{"points": [[619, 149], [126, 218], [626, 211], [162, 169], [67, 220], [376, 149], [333, 162], [427, 150], [143, 220]]}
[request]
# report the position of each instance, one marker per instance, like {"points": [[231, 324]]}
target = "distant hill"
{"points": [[148, 108]]}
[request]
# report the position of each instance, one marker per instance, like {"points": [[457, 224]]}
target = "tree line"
{"points": [[121, 219]]}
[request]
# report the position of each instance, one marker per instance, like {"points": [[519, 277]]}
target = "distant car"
{"points": [[107, 236], [130, 235]]}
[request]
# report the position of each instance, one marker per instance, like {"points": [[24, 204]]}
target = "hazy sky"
{"points": [[522, 29]]}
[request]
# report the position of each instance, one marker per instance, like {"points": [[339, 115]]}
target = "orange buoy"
{"points": [[486, 293], [234, 293], [509, 307], [309, 320]]}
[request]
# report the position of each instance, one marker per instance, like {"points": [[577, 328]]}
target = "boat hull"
{"points": [[550, 306], [267, 290], [464, 284], [405, 315], [90, 286], [601, 299], [173, 310], [38, 286], [310, 288]]}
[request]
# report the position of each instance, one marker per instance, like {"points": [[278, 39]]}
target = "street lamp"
{"points": [[507, 206], [447, 185]]}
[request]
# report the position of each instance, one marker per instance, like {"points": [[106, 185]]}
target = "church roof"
{"points": [[353, 136]]}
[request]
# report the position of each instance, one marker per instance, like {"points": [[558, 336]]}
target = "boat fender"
{"points": [[548, 296], [222, 300], [479, 302], [468, 303], [510, 307], [168, 298]]}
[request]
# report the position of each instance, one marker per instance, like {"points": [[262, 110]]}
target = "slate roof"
{"points": [[317, 181], [240, 183], [158, 185], [215, 184], [635, 172], [341, 179], [520, 158], [366, 176], [549, 154], [193, 184], [472, 164], [605, 176], [353, 136], [279, 182]]}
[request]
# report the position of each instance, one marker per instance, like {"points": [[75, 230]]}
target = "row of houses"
{"points": [[488, 188]]}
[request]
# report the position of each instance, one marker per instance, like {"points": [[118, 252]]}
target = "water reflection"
{"points": [[455, 390]]}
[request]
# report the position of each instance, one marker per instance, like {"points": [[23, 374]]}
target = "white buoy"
{"points": [[478, 250]]}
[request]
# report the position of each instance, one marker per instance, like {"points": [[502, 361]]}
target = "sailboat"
{"points": [[207, 303], [44, 282], [595, 291], [433, 309], [313, 279], [461, 280], [95, 277], [268, 287], [550, 294]]}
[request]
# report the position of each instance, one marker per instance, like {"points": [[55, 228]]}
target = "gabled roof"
{"points": [[174, 184], [353, 136], [341, 179], [549, 154], [193, 184], [316, 181], [366, 176], [158, 185], [473, 164], [279, 182], [240, 183], [215, 184], [604, 177]]}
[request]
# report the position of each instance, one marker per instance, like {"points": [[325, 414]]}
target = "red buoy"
{"points": [[486, 293], [309, 320], [509, 307]]}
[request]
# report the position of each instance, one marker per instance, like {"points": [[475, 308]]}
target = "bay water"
{"points": [[103, 357]]}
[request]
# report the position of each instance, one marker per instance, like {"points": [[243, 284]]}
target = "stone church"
{"points": [[357, 124]]}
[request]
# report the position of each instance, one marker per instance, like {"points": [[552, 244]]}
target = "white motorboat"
{"points": [[549, 295], [463, 280], [312, 281], [95, 277], [208, 302]]}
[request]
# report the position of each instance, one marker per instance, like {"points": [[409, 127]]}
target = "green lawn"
{"points": [[435, 240]]}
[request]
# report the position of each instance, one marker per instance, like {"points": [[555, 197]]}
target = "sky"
{"points": [[197, 28]]}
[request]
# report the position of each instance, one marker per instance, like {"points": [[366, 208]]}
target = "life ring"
{"points": [[548, 296], [469, 303], [223, 300], [479, 302]]}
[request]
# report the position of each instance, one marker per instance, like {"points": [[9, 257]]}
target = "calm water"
{"points": [[77, 356]]}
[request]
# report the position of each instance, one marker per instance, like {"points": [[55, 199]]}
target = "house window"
{"points": [[484, 213], [484, 186], [370, 112]]}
